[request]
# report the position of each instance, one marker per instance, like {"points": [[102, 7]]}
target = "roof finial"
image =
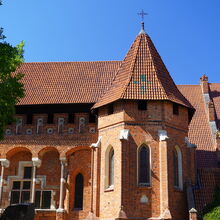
{"points": [[142, 14]]}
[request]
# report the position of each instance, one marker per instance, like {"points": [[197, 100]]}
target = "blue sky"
{"points": [[185, 32]]}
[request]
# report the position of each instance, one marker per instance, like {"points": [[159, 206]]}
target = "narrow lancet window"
{"points": [[78, 201], [111, 167], [144, 166], [177, 168]]}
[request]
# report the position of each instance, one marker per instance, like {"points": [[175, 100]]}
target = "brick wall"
{"points": [[79, 162], [143, 127]]}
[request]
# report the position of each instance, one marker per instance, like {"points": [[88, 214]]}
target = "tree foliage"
{"points": [[11, 89], [212, 210]]}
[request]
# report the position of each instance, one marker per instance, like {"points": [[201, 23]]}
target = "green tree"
{"points": [[212, 210], [11, 88]]}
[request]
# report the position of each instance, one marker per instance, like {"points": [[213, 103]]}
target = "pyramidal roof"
{"points": [[142, 76]]}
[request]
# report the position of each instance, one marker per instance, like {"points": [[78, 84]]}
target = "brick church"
{"points": [[112, 140]]}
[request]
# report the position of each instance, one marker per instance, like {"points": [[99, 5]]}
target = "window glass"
{"points": [[27, 172], [50, 118], [111, 168], [110, 109], [29, 118], [175, 109], [42, 199], [71, 118], [176, 168], [78, 201], [26, 184], [142, 105], [144, 166], [46, 199], [37, 199], [92, 118], [21, 191], [15, 195], [16, 185], [25, 196]]}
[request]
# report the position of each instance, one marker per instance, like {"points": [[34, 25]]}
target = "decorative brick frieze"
{"points": [[60, 125]]}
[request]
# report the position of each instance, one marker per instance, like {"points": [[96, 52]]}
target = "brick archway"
{"points": [[44, 150], [11, 152]]}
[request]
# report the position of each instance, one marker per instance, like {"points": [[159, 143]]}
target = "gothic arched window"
{"points": [[144, 165], [177, 167], [78, 201], [111, 167]]}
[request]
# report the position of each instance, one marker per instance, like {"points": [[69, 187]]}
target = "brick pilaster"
{"points": [[164, 197]]}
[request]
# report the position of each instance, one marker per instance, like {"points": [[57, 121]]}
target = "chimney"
{"points": [[211, 111], [204, 84]]}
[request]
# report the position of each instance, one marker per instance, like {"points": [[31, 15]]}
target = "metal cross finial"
{"points": [[142, 14]]}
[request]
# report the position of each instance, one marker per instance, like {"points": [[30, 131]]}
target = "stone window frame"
{"points": [[39, 178], [150, 158], [111, 167], [108, 186], [21, 190], [41, 198], [178, 185]]}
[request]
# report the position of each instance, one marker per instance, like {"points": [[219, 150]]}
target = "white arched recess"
{"points": [[180, 167], [138, 161], [108, 153]]}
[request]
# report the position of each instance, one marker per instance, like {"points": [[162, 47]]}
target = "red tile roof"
{"points": [[142, 75], [215, 95], [199, 129], [209, 178], [66, 82]]}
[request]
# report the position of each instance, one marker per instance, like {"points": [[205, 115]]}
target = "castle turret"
{"points": [[143, 119]]}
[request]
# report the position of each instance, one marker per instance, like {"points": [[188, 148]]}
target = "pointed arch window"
{"points": [[111, 167], [79, 183], [177, 168], [144, 165]]}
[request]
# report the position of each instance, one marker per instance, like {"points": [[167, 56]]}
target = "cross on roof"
{"points": [[142, 14]]}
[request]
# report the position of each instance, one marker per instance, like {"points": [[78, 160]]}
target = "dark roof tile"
{"points": [[142, 75], [66, 82]]}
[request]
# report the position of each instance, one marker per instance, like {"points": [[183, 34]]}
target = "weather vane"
{"points": [[142, 14]]}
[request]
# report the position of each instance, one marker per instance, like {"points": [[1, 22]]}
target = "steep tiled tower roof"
{"points": [[142, 75]]}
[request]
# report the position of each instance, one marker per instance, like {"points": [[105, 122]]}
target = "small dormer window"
{"points": [[71, 118], [50, 117], [110, 109], [92, 118], [142, 105], [175, 109], [29, 119]]}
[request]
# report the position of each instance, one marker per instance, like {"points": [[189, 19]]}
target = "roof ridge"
{"points": [[166, 93], [131, 68], [51, 62], [143, 75], [214, 83], [187, 85], [109, 87], [155, 67]]}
